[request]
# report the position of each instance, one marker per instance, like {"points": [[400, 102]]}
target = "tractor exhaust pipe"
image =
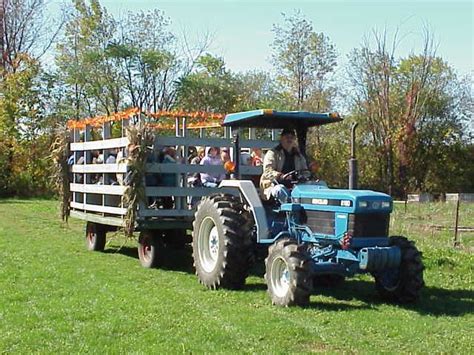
{"points": [[353, 161]]}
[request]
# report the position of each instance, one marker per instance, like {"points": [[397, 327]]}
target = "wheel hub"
{"points": [[390, 279], [208, 244], [146, 249], [280, 277], [91, 237]]}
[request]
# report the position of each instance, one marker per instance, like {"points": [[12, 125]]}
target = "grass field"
{"points": [[57, 297]]}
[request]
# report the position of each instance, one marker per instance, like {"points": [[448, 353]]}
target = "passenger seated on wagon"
{"points": [[97, 158], [257, 157], [278, 162], [212, 157], [111, 179], [169, 157], [195, 179], [192, 153], [122, 158], [167, 179], [225, 155]]}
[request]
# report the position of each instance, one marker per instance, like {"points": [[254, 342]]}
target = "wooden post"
{"points": [[456, 223], [106, 134], [177, 201], [252, 133], [274, 134], [87, 160], [184, 177], [176, 127]]}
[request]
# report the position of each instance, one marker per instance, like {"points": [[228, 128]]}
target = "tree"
{"points": [[85, 70], [407, 108], [211, 87], [25, 30], [257, 90], [146, 58], [26, 34], [303, 60]]}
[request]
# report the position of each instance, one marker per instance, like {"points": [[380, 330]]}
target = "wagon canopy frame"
{"points": [[273, 119]]}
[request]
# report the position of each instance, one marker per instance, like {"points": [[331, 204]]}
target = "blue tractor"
{"points": [[314, 235]]}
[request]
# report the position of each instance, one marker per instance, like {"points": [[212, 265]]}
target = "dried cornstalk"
{"points": [[140, 138], [60, 155]]}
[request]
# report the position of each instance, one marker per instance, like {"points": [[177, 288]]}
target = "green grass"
{"points": [[57, 297]]}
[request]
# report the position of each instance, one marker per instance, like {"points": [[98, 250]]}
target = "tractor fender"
{"points": [[250, 194]]}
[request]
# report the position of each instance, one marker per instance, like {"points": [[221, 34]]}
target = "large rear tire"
{"points": [[150, 249], [222, 244], [95, 236], [403, 284], [288, 274]]}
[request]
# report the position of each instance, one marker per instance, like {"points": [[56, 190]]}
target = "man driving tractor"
{"points": [[279, 165]]}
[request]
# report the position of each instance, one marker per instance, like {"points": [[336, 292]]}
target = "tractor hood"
{"points": [[350, 201]]}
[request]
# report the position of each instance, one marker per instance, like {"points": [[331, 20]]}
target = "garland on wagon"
{"points": [[162, 119]]}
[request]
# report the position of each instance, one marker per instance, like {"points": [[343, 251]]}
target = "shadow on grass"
{"points": [[174, 259], [14, 201], [435, 301], [126, 251]]}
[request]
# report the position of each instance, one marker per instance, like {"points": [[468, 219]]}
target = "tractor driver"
{"points": [[278, 162]]}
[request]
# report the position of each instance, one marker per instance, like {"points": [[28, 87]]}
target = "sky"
{"points": [[242, 29]]}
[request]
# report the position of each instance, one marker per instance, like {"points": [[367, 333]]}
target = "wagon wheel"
{"points": [[95, 237], [150, 249]]}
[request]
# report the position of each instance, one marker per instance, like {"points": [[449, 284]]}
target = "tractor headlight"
{"points": [[363, 204], [376, 205], [385, 204]]}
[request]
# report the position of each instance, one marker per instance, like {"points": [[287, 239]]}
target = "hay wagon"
{"points": [[98, 184]]}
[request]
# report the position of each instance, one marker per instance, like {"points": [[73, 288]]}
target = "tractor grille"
{"points": [[369, 225], [321, 222]]}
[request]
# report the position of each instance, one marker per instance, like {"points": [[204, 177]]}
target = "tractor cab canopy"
{"points": [[300, 121], [279, 119]]}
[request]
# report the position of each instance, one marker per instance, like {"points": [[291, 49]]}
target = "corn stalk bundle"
{"points": [[60, 154], [140, 138]]}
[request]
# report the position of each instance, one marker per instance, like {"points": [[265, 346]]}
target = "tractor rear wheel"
{"points": [[288, 274], [402, 284], [150, 249], [95, 236], [222, 244]]}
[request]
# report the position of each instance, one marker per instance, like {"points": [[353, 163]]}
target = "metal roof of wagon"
{"points": [[279, 119]]}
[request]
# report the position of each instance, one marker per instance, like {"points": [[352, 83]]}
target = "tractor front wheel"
{"points": [[402, 284], [222, 243], [95, 236], [150, 249], [288, 274]]}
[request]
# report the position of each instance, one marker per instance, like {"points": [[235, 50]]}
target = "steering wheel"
{"points": [[294, 177]]}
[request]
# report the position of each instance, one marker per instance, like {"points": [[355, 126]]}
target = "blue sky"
{"points": [[242, 29]]}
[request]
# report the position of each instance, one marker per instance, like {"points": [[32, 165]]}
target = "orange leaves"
{"points": [[182, 114], [198, 119]]}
